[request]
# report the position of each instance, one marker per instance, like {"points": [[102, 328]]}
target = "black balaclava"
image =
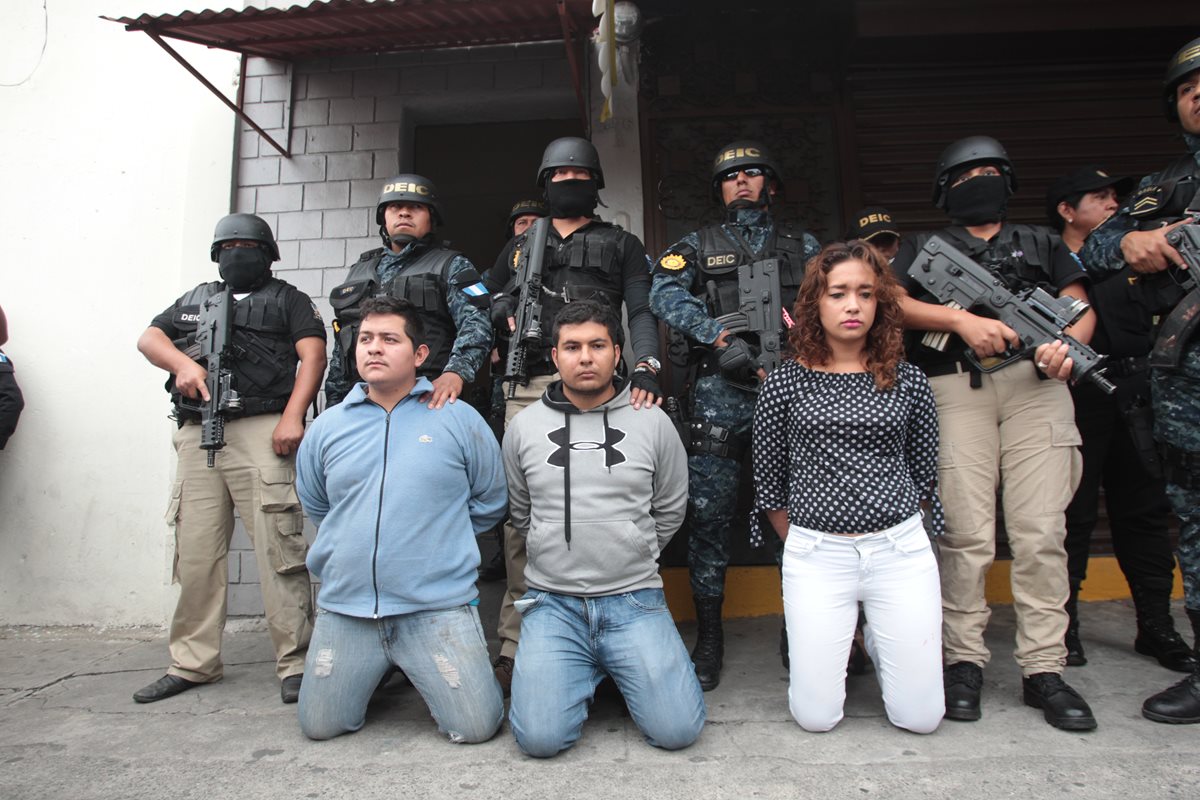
{"points": [[568, 199], [244, 268], [978, 200]]}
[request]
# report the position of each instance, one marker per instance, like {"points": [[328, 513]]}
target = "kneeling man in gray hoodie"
{"points": [[598, 488]]}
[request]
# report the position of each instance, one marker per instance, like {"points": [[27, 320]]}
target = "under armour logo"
{"points": [[612, 456]]}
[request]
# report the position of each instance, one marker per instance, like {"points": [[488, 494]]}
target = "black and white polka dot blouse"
{"points": [[840, 455]]}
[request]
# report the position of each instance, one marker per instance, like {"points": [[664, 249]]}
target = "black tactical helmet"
{"points": [[246, 227], [740, 155], [409, 188], [523, 207], [570, 151], [969, 152], [1182, 64]]}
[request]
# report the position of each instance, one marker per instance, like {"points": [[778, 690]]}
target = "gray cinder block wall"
{"points": [[352, 121]]}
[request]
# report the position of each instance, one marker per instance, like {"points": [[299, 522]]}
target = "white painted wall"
{"points": [[117, 163]]}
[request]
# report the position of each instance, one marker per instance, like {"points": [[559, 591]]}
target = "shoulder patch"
{"points": [[316, 312], [672, 261]]}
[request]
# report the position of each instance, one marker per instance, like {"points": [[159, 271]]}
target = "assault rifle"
{"points": [[1181, 323], [214, 347], [1035, 315], [530, 263], [760, 310]]}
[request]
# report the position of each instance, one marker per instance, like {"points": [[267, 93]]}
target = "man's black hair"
{"points": [[414, 328], [582, 311]]}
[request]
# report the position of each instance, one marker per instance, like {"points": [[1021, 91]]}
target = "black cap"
{"points": [[1081, 181], [870, 222]]}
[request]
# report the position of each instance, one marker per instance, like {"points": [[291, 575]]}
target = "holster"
{"points": [[1139, 420]]}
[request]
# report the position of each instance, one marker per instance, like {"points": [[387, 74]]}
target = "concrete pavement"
{"points": [[68, 729]]}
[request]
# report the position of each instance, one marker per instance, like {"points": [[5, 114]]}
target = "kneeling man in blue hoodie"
{"points": [[597, 488], [398, 491]]}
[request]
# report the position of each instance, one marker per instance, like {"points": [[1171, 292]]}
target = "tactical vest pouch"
{"points": [[350, 295], [347, 300], [425, 291], [720, 263], [573, 293]]}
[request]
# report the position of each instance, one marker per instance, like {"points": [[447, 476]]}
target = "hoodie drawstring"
{"points": [[567, 483]]}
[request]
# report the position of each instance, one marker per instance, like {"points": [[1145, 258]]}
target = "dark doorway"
{"points": [[480, 170]]}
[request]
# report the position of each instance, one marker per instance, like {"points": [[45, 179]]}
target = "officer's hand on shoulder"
{"points": [[644, 390], [189, 380], [1148, 251], [446, 388]]}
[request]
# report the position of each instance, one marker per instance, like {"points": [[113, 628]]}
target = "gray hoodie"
{"points": [[595, 513]]}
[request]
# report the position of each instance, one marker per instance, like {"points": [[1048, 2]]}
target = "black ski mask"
{"points": [[244, 268], [978, 200], [568, 199]]}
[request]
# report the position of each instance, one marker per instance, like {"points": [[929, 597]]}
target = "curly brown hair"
{"points": [[885, 343]]}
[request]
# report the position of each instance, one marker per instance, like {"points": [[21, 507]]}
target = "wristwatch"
{"points": [[649, 361]]}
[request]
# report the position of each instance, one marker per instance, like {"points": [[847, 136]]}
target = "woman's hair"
{"points": [[885, 344]]}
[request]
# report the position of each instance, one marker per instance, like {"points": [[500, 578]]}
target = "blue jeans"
{"points": [[442, 652], [567, 646]]}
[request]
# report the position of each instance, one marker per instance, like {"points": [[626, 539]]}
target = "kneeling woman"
{"points": [[845, 454]]}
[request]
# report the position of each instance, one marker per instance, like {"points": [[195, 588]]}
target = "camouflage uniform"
{"points": [[1175, 393], [472, 343], [712, 479]]}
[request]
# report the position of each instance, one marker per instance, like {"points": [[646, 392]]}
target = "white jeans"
{"points": [[894, 574]]}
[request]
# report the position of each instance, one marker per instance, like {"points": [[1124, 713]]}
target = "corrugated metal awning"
{"points": [[340, 27], [343, 27]]}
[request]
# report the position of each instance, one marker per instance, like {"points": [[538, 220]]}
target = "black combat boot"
{"points": [[1156, 634], [1075, 655], [1180, 704], [963, 683], [1062, 706], [709, 652]]}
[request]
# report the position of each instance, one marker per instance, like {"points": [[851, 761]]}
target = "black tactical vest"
{"points": [[424, 281], [719, 257], [585, 265], [264, 363], [1020, 255]]}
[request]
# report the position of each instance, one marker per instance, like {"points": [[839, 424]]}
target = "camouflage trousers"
{"points": [[1186, 505], [713, 484]]}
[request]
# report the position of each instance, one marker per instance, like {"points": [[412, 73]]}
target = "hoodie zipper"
{"points": [[387, 427]]}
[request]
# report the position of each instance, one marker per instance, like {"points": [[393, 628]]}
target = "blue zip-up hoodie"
{"points": [[398, 498]]}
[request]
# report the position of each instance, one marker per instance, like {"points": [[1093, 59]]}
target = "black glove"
{"points": [[735, 358], [645, 379], [503, 307]]}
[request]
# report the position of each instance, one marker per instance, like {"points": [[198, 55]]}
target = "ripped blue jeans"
{"points": [[442, 652]]}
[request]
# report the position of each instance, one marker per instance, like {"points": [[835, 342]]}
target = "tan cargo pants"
{"points": [[248, 476]]}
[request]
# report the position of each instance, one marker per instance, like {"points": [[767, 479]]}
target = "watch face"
{"points": [[653, 363]]}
